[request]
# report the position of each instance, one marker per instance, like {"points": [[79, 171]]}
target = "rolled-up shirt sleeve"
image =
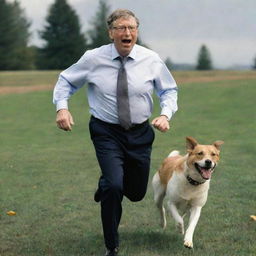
{"points": [[166, 89]]}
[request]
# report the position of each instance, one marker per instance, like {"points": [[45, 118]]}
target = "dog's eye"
{"points": [[200, 153], [213, 154]]}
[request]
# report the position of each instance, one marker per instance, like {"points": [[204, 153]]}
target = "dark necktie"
{"points": [[123, 107]]}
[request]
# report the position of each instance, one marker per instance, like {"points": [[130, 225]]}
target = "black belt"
{"points": [[132, 128]]}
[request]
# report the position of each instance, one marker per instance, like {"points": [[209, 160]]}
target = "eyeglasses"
{"points": [[122, 29]]}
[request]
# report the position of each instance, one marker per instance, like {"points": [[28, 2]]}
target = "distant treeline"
{"points": [[64, 43]]}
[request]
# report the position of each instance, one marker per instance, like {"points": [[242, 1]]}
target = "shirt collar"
{"points": [[115, 53]]}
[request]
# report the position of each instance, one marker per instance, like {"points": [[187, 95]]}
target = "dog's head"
{"points": [[202, 159]]}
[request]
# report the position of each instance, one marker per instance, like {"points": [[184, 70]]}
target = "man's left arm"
{"points": [[166, 89], [161, 123]]}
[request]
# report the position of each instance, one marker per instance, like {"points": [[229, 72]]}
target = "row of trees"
{"points": [[204, 61], [63, 40], [14, 36]]}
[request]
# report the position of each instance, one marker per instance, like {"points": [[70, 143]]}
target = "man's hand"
{"points": [[161, 123], [64, 120]]}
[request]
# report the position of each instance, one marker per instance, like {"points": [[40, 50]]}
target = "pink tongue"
{"points": [[206, 174]]}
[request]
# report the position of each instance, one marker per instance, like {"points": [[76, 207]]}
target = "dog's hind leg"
{"points": [[159, 194]]}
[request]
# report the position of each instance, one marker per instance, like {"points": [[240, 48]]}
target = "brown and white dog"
{"points": [[185, 181]]}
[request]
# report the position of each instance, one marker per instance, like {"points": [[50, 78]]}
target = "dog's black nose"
{"points": [[208, 162]]}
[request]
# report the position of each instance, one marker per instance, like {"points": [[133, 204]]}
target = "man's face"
{"points": [[124, 34]]}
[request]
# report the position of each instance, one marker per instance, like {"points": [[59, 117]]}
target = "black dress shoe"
{"points": [[97, 195], [113, 252]]}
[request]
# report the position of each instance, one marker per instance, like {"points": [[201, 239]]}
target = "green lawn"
{"points": [[27, 78], [48, 177]]}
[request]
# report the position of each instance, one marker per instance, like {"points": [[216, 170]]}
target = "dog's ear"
{"points": [[218, 143], [190, 143]]}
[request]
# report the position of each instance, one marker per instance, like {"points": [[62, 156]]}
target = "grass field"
{"points": [[48, 177]]}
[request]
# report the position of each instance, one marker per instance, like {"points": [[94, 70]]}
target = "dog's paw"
{"points": [[188, 244]]}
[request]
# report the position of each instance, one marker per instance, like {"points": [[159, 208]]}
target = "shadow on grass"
{"points": [[155, 242], [137, 242]]}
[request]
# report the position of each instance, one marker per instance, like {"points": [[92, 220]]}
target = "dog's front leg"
{"points": [[193, 219], [175, 214]]}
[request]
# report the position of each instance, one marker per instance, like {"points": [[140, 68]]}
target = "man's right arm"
{"points": [[70, 80], [61, 94]]}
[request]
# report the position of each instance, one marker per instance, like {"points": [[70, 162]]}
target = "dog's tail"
{"points": [[174, 153], [159, 194]]}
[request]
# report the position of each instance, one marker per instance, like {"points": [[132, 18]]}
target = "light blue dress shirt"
{"points": [[98, 68]]}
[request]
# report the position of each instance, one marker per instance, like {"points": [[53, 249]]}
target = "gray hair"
{"points": [[120, 13]]}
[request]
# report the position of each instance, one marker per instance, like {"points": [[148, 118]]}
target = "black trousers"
{"points": [[124, 159]]}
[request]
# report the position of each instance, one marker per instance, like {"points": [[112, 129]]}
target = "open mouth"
{"points": [[126, 41], [206, 171]]}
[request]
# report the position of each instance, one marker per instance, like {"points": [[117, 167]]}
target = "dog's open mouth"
{"points": [[206, 172]]}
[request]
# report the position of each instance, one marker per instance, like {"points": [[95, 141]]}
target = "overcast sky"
{"points": [[176, 28]]}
